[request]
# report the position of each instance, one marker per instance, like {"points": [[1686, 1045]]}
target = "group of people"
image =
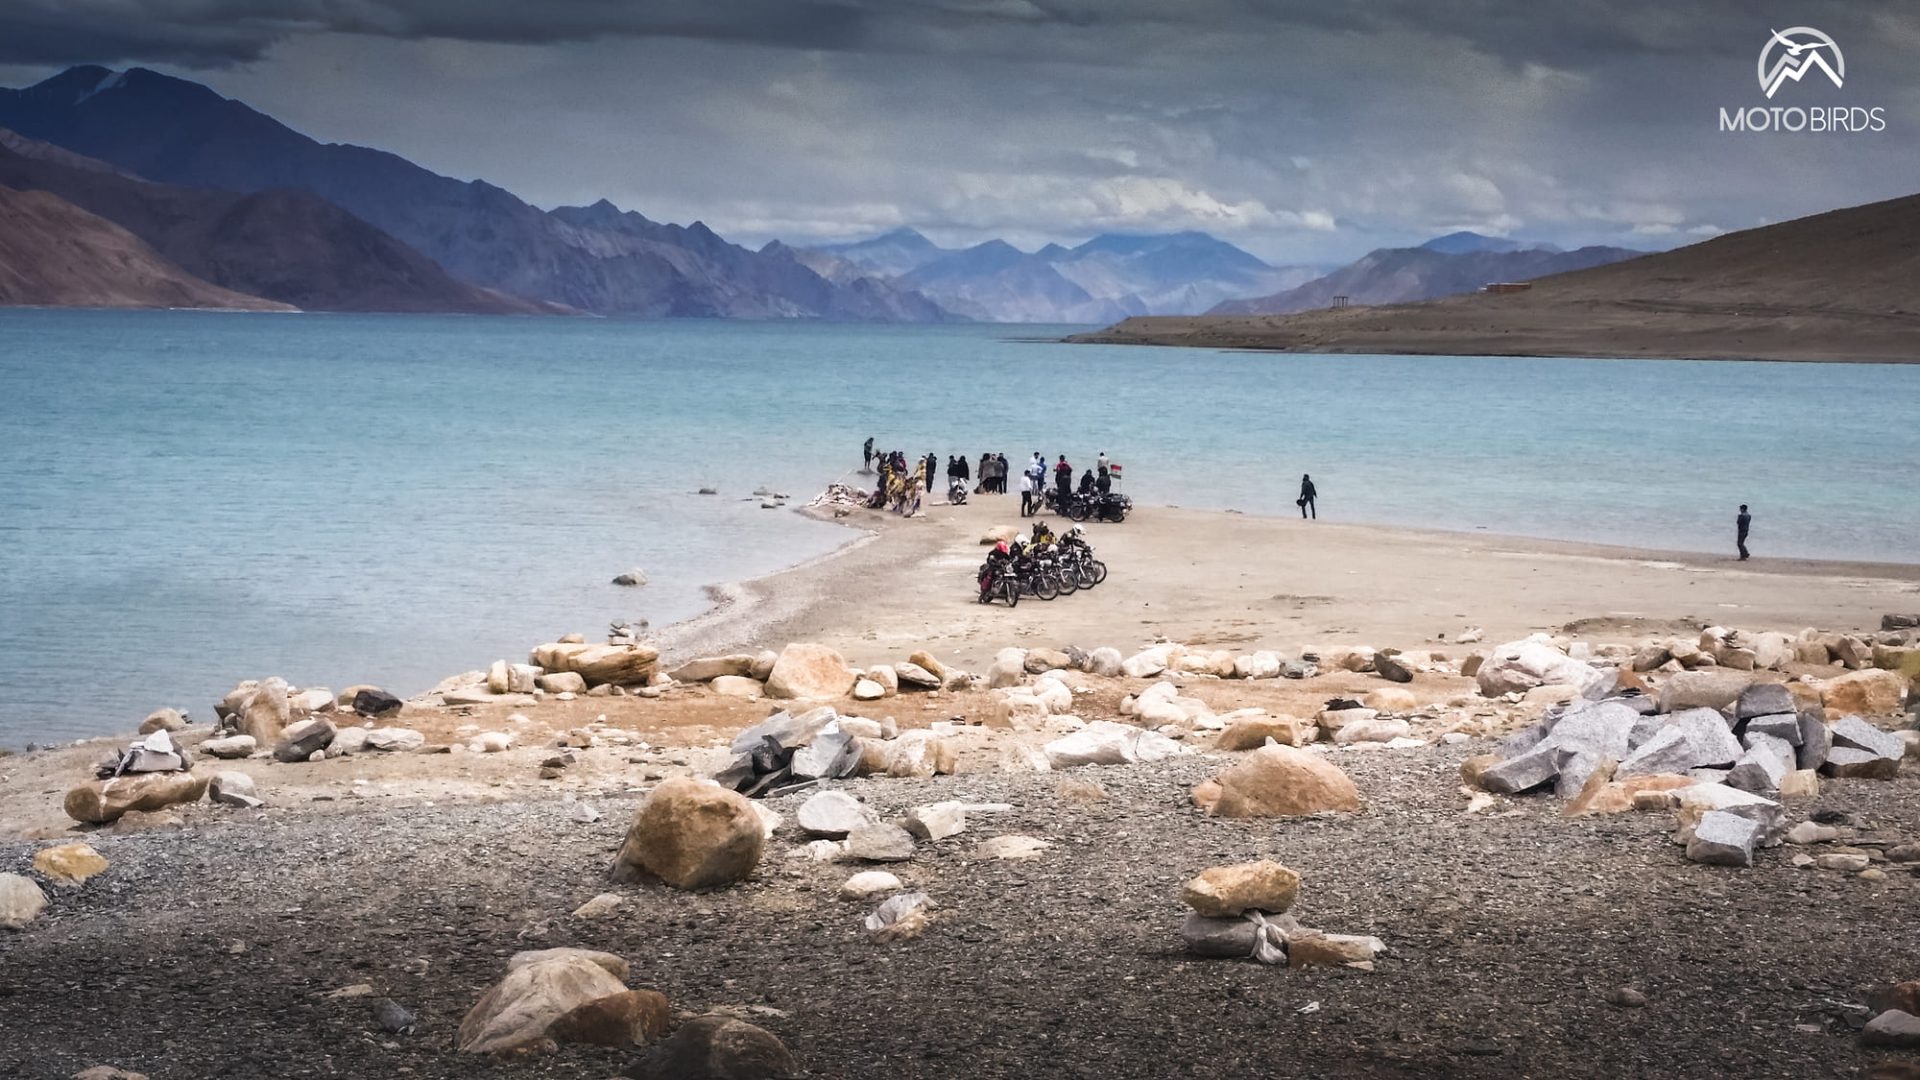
{"points": [[903, 481]]}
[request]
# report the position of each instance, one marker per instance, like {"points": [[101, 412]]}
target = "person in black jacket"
{"points": [[1741, 524], [1307, 495]]}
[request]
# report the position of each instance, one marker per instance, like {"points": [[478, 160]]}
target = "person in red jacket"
{"points": [[1063, 482]]}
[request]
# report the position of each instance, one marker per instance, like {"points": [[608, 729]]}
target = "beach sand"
{"points": [[1224, 579]]}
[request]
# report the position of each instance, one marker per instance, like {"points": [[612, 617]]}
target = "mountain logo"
{"points": [[1795, 51]]}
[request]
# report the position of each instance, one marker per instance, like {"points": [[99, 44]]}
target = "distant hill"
{"points": [[288, 246], [1401, 275], [1108, 277], [178, 132], [1842, 285], [1468, 243], [54, 254]]}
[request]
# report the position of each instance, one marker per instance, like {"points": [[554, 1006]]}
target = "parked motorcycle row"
{"points": [[1041, 565], [1111, 506]]}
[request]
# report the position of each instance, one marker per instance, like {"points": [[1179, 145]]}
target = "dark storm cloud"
{"points": [[211, 33]]}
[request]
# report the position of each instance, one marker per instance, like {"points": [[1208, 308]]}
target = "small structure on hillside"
{"points": [[1341, 301], [1507, 286]]}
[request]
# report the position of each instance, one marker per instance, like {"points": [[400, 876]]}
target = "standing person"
{"points": [[1063, 482], [1307, 496], [866, 456], [1741, 524], [1000, 467], [986, 477], [1026, 494], [933, 470], [966, 474], [1100, 463]]}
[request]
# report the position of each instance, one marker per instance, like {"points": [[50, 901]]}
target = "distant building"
{"points": [[1507, 286], [1341, 301]]}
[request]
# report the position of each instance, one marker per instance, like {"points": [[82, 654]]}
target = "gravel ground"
{"points": [[208, 952]]}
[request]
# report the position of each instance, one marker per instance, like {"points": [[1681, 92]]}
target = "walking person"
{"points": [[1741, 524], [866, 456], [1026, 494], [1307, 496]]}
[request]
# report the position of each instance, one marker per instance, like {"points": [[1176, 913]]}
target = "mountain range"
{"points": [[182, 135], [1832, 286], [1404, 275], [1110, 276]]}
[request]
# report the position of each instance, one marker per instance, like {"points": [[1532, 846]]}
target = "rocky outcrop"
{"points": [[809, 671], [1278, 781], [98, 802]]}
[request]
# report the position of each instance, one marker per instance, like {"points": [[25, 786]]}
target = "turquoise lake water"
{"points": [[187, 499]]}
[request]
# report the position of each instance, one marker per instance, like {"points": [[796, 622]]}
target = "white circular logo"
{"points": [[1795, 51]]}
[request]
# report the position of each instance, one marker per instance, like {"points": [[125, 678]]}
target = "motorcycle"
{"points": [[1112, 506], [957, 492], [1077, 561]]}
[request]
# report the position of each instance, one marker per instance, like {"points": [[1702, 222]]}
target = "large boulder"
{"points": [[1223, 891], [1519, 666], [265, 711], [300, 740], [539, 988], [809, 671], [1251, 733], [1708, 688], [717, 1047], [97, 802], [691, 835], [21, 901], [619, 665], [1865, 693], [1108, 742], [1009, 668], [709, 668], [1277, 781], [628, 1018]]}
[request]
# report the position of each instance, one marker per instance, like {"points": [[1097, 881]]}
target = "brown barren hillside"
{"points": [[54, 254], [1843, 285]]}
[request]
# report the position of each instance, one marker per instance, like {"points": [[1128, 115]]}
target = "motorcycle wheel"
{"points": [[1069, 582], [1046, 587], [1010, 589], [1087, 580], [1077, 511], [1099, 570]]}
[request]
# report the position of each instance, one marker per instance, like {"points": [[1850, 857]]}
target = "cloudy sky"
{"points": [[1307, 132]]}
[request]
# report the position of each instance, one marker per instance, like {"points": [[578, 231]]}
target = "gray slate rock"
{"points": [[1708, 735], [1723, 839], [1604, 729], [1530, 770], [1759, 771], [1764, 699], [1893, 1028], [1575, 768], [1782, 726], [1519, 742], [1850, 762], [880, 842], [831, 756], [1860, 735], [785, 729], [1391, 669], [1231, 939], [391, 1017], [1668, 751], [1816, 739]]}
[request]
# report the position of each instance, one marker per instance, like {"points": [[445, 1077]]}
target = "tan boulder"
{"points": [[628, 1018], [1471, 768], [809, 671], [1865, 693], [920, 754], [539, 988], [1278, 781], [21, 901], [617, 665], [1602, 795], [709, 668], [739, 686], [98, 802], [692, 835], [1253, 732], [1331, 950], [68, 864], [265, 712], [932, 665], [1390, 699], [1224, 891], [162, 720]]}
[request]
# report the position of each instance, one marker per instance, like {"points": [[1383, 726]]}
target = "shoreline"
{"points": [[902, 577]]}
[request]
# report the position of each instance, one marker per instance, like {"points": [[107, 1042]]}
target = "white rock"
{"points": [[831, 814], [868, 884], [21, 901], [1106, 742], [490, 742], [936, 821]]}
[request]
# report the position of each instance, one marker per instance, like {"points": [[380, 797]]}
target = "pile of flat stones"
{"points": [[1719, 752]]}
